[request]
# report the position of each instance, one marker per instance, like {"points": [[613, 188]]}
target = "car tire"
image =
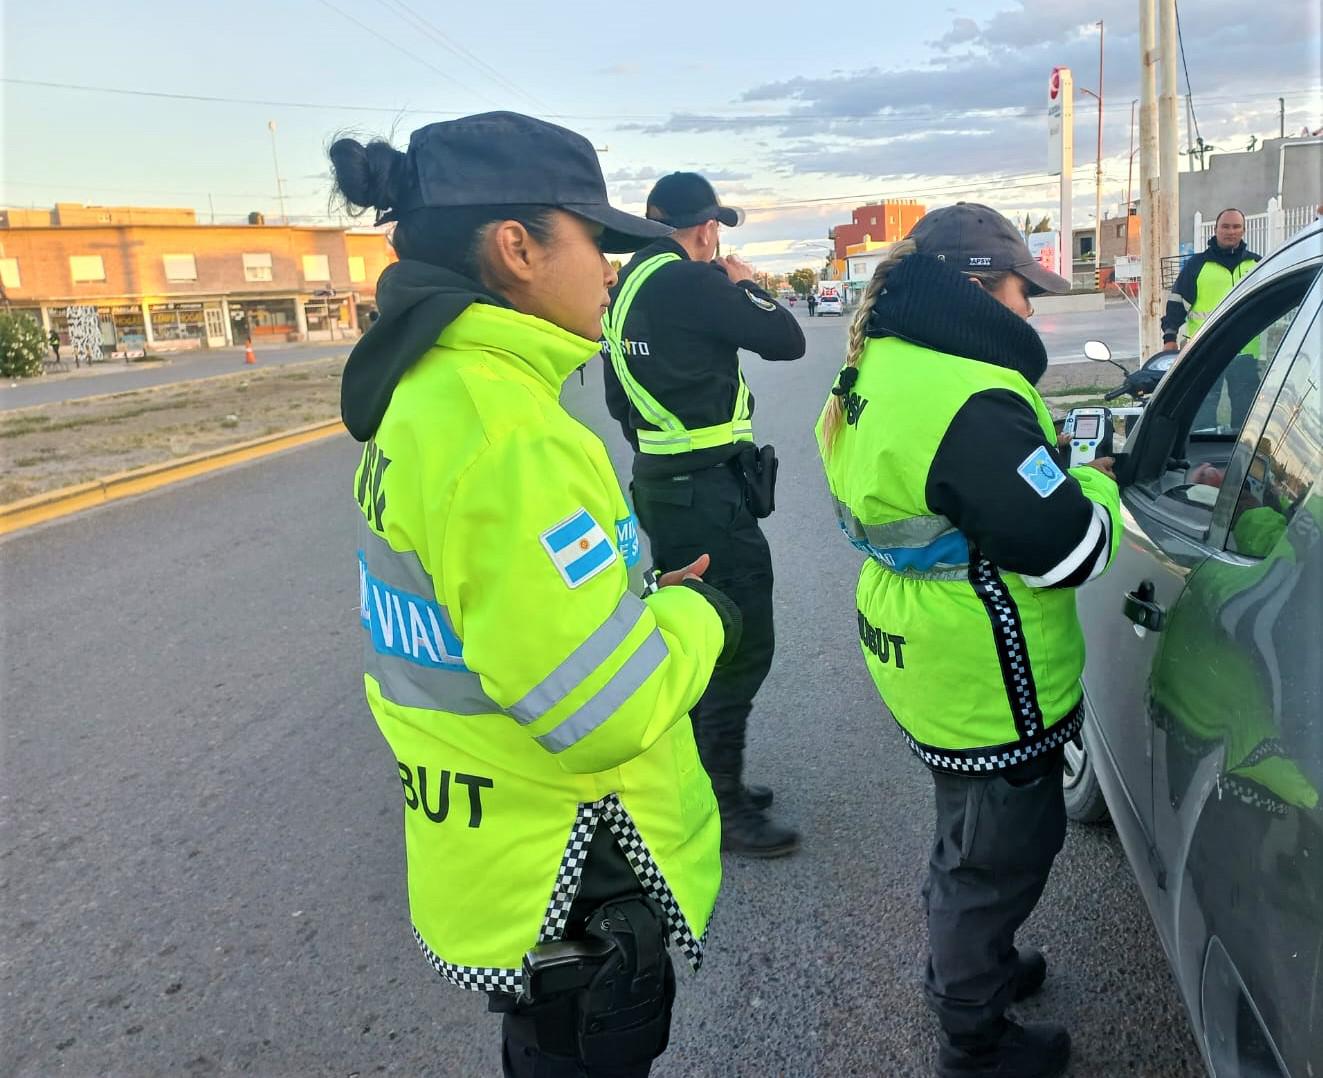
{"points": [[1084, 797]]}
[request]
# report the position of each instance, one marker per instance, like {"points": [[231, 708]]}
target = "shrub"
{"points": [[22, 346]]}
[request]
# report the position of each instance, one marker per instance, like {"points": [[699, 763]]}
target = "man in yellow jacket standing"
{"points": [[559, 827]]}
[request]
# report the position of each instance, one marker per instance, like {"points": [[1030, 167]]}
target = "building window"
{"points": [[316, 268], [357, 268], [86, 268], [9, 273], [872, 220], [180, 267], [1120, 231], [257, 267]]}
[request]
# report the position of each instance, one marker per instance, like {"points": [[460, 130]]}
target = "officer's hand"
{"points": [[1171, 346], [694, 569], [1106, 465], [736, 269]]}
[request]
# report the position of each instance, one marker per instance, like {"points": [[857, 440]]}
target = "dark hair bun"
{"points": [[368, 176]]}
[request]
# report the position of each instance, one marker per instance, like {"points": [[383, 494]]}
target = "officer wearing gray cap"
{"points": [[677, 321], [941, 459]]}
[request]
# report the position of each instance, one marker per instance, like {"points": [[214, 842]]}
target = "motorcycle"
{"points": [[1092, 432]]}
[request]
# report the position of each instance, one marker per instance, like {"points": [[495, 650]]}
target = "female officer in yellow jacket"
{"points": [[558, 825]]}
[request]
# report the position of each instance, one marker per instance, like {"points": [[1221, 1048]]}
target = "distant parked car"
{"points": [[1203, 735], [830, 303]]}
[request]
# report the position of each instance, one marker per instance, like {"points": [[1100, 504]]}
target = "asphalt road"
{"points": [[201, 863], [1063, 334]]}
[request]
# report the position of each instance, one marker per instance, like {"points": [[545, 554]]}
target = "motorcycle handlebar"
{"points": [[1119, 391]]}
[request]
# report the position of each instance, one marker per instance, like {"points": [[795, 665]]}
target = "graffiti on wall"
{"points": [[84, 333]]}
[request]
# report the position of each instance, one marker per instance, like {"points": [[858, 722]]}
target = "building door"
{"points": [[215, 322]]}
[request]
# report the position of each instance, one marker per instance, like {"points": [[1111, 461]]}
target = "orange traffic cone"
{"points": [[248, 354]]}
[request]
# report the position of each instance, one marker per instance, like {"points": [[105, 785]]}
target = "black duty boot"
{"points": [[1030, 972], [760, 797], [1034, 1050], [745, 829]]}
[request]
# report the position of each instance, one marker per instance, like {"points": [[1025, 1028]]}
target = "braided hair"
{"points": [[877, 284]]}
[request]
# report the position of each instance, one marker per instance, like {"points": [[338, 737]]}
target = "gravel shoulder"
{"points": [[49, 446]]}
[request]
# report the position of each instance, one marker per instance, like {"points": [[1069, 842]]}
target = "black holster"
{"points": [[610, 1006], [758, 469]]}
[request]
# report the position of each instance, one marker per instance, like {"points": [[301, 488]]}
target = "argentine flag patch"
{"points": [[1041, 472], [578, 547]]}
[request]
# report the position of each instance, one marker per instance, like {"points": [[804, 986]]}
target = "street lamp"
{"points": [[280, 190]]}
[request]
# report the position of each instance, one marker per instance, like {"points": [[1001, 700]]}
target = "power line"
{"points": [[325, 106], [1189, 90], [400, 48], [430, 28]]}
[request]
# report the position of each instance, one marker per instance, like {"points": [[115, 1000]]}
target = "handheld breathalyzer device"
{"points": [[1090, 431]]}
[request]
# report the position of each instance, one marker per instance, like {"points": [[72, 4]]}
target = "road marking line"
{"points": [[54, 504]]}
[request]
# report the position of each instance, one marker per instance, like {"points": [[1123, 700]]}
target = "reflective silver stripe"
{"points": [[637, 669], [911, 532], [410, 685], [399, 568], [582, 662], [1175, 297]]}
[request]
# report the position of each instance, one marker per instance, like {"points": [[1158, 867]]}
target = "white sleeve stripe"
{"points": [[1099, 524], [1105, 554], [1175, 297]]}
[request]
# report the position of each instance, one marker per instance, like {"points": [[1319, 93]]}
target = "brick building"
{"points": [[163, 282], [880, 222]]}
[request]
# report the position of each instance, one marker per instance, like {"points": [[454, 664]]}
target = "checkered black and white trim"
{"points": [[1012, 651], [590, 814], [571, 870], [1253, 795], [1269, 746], [650, 875], [997, 757], [474, 978]]}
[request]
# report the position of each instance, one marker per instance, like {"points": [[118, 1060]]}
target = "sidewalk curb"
{"points": [[54, 504]]}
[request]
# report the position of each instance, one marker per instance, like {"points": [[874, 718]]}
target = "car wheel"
{"points": [[1084, 797]]}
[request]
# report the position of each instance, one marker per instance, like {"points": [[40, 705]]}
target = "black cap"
{"points": [[971, 237], [685, 199], [508, 159]]}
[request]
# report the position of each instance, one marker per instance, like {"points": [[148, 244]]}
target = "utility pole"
{"points": [[1097, 176], [1130, 176], [1281, 117], [1150, 194], [280, 189], [1169, 173]]}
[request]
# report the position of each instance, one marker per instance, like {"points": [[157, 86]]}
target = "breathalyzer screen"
{"points": [[1086, 426]]}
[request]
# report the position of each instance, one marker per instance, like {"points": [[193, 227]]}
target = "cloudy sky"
{"points": [[796, 111]]}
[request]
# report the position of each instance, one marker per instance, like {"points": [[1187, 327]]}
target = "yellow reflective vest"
{"points": [[529, 697]]}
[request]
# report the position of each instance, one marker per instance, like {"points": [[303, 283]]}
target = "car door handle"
{"points": [[1142, 610]]}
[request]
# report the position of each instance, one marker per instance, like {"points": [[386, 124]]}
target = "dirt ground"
{"points": [[57, 445], [50, 446]]}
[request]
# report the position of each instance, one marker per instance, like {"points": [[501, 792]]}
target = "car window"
{"points": [[1286, 461], [1247, 353], [1216, 386]]}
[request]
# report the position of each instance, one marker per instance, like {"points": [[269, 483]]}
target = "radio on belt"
{"points": [[1090, 431]]}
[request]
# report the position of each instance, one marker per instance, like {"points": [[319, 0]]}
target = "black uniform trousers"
{"points": [[704, 512], [540, 1040], [997, 836]]}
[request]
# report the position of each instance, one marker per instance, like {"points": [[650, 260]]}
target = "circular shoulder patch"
{"points": [[758, 301]]}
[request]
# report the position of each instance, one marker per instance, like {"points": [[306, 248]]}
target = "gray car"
{"points": [[1204, 726]]}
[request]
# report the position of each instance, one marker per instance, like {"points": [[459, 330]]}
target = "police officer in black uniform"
{"points": [[678, 318]]}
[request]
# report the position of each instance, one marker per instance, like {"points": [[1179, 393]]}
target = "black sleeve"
{"points": [[998, 480], [616, 401], [742, 315], [1181, 298]]}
